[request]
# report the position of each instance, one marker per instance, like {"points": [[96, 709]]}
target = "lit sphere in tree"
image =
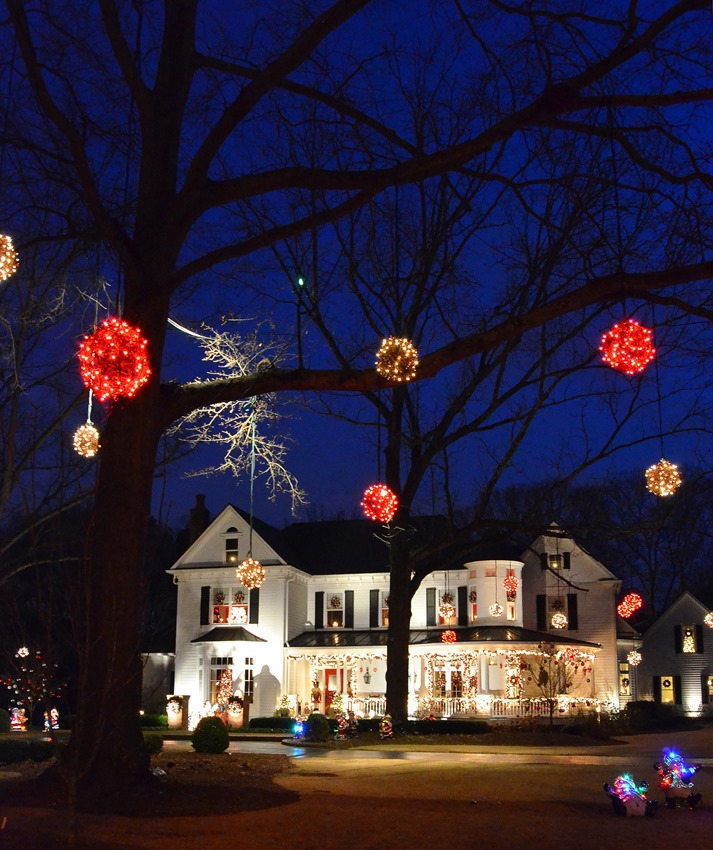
{"points": [[112, 360], [397, 359], [250, 573], [448, 636], [634, 658], [559, 621], [379, 503], [86, 440], [8, 257], [446, 610], [627, 347], [708, 620], [663, 478], [511, 583], [496, 610], [629, 605]]}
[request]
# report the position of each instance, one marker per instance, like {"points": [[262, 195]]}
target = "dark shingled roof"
{"points": [[231, 633], [464, 634]]}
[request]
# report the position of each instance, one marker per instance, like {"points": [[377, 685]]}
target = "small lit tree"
{"points": [[225, 689], [34, 681]]}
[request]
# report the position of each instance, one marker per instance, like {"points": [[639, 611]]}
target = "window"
{"points": [[447, 600], [231, 545], [473, 603], [218, 665], [510, 611], [709, 688], [556, 605], [384, 609], [335, 610], [490, 572], [249, 680], [668, 690], [456, 684], [230, 605], [439, 683], [688, 639], [624, 680], [555, 560]]}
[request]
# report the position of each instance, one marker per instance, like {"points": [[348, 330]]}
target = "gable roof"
{"points": [[686, 598]]}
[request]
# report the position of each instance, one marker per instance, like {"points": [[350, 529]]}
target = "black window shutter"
{"points": [[705, 695], [677, 690], [699, 637], [657, 688], [348, 609], [254, 602], [319, 609], [678, 639], [374, 619], [205, 606], [541, 602], [463, 606], [430, 606], [566, 560], [572, 617], [544, 560]]}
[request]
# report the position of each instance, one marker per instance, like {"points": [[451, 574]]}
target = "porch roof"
{"points": [[234, 634], [418, 637]]}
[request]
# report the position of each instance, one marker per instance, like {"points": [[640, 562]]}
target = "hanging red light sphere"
{"points": [[449, 636], [379, 503], [511, 583], [629, 605], [627, 347], [112, 360]]}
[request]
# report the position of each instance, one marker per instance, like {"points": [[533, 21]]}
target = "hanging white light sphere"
{"points": [[496, 610], [86, 440], [250, 574], [559, 621], [663, 478], [634, 658], [8, 257], [708, 620]]}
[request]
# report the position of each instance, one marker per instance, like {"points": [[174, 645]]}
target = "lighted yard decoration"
{"points": [[629, 799], [559, 620], [675, 780], [86, 440], [496, 610], [627, 347], [397, 359], [448, 636], [8, 257], [113, 361], [386, 729], [250, 573], [629, 605], [379, 503], [634, 658], [511, 584], [663, 478]]}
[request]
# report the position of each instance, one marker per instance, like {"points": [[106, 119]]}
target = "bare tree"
{"points": [[179, 143]]}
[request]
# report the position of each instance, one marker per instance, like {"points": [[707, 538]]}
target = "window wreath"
{"points": [[473, 596], [238, 597], [219, 597], [335, 602]]}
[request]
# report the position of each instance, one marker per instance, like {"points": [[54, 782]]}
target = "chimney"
{"points": [[198, 519]]}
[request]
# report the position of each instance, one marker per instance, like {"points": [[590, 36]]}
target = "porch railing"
{"points": [[484, 706]]}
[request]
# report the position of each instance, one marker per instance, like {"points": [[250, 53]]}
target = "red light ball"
{"points": [[629, 605], [379, 503], [449, 636], [511, 583], [112, 360], [627, 347]]}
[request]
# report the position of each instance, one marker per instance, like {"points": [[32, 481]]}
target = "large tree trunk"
{"points": [[397, 649], [105, 750]]}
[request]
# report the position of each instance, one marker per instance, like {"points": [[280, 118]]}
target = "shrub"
{"points": [[4, 720], [154, 721], [210, 736], [279, 724], [40, 750], [153, 743], [317, 727]]}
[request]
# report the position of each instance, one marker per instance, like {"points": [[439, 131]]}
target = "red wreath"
{"points": [[112, 360]]}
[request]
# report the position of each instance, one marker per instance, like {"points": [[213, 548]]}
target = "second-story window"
{"points": [[231, 546], [230, 605], [384, 609], [335, 610]]}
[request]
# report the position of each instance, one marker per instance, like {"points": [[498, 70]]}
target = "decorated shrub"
{"points": [[317, 727], [210, 736]]}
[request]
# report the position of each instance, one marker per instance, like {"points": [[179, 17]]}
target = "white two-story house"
{"points": [[481, 634]]}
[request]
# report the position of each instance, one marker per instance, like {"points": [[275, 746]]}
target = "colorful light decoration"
{"points": [[250, 574], [379, 503], [663, 478], [629, 605], [496, 610], [86, 440], [112, 360], [8, 257], [708, 620], [446, 609], [448, 636], [627, 347], [559, 621], [634, 658], [511, 583], [397, 359]]}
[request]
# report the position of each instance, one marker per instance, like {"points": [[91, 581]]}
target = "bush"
{"points": [[153, 743], [15, 749], [40, 750], [317, 727], [277, 724], [210, 736], [646, 715], [154, 721], [4, 720]]}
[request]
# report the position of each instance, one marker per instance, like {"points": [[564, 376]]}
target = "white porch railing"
{"points": [[483, 706], [367, 706]]}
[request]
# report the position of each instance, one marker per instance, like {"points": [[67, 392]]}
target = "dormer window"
{"points": [[231, 545], [555, 560]]}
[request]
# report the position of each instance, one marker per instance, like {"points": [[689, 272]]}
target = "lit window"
{"points": [[667, 691], [688, 639], [230, 605], [218, 665], [231, 545], [249, 681], [709, 685], [384, 609], [510, 611], [456, 684], [335, 610], [439, 683], [624, 680]]}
